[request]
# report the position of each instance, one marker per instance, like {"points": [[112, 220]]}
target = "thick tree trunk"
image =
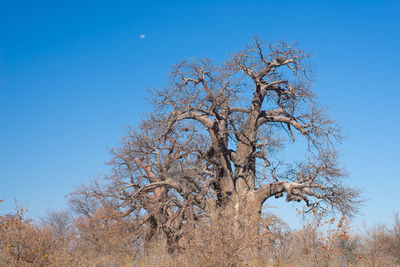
{"points": [[247, 211], [239, 218]]}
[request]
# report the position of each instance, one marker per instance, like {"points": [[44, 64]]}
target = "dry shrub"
{"points": [[22, 243], [93, 241], [381, 246], [393, 247], [219, 244], [102, 240], [321, 242], [207, 245]]}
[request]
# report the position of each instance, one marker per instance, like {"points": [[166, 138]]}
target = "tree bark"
{"points": [[240, 217]]}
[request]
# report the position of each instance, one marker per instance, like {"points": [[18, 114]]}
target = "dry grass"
{"points": [[99, 241]]}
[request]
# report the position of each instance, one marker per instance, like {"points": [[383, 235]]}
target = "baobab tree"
{"points": [[249, 107], [210, 148]]}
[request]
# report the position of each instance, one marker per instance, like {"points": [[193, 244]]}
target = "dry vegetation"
{"points": [[187, 187], [61, 239]]}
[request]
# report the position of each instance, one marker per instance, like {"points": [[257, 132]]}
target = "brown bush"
{"points": [[103, 240]]}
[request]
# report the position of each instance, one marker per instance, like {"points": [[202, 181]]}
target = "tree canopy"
{"points": [[210, 147]]}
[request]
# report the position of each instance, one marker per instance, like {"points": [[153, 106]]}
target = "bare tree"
{"points": [[244, 106], [210, 148], [155, 181], [59, 221]]}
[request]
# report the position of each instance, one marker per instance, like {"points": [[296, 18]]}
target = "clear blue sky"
{"points": [[73, 76]]}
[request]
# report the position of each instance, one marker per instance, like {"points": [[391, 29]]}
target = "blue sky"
{"points": [[74, 74]]}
